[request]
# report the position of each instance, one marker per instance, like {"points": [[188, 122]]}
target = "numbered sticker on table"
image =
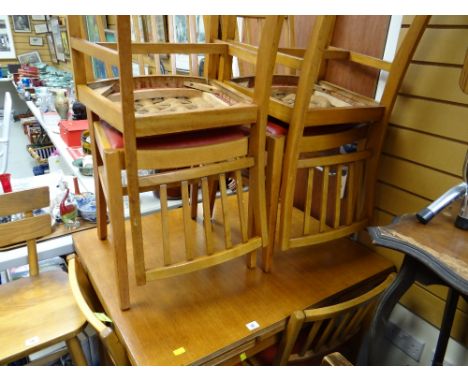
{"points": [[32, 341], [252, 325]]}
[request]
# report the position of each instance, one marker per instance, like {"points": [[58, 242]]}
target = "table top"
{"points": [[196, 317], [439, 245]]}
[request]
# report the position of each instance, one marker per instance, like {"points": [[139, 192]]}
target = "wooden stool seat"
{"points": [[37, 312]]}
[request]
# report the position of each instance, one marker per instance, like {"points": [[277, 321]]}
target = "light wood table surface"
{"points": [[202, 317]]}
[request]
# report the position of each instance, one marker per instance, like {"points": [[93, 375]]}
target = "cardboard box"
{"points": [[71, 131]]}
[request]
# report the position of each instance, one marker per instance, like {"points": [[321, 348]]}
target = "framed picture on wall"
{"points": [[50, 43], [29, 58], [7, 47], [36, 41], [54, 27], [21, 24], [66, 48], [41, 28], [38, 17]]}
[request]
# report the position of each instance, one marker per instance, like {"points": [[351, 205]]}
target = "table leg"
{"points": [[445, 328], [389, 299]]}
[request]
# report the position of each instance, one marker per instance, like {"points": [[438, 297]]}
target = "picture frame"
{"points": [[36, 41], [21, 24], [50, 43], [54, 27], [41, 28], [38, 17], [66, 48], [29, 58], [7, 46]]}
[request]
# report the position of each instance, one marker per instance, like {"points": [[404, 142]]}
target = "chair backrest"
{"points": [[340, 162], [82, 289], [29, 228], [316, 332], [5, 133]]}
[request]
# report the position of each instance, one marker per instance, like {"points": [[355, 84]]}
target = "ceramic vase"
{"points": [[61, 104]]}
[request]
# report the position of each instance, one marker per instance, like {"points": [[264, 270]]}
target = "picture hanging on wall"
{"points": [[29, 58], [54, 27], [66, 48], [38, 17], [36, 41], [40, 28], [50, 43], [92, 29], [21, 24], [7, 47]]}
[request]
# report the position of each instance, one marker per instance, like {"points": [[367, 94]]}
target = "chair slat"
{"points": [[351, 192], [339, 181], [27, 200], [240, 203], [187, 219], [207, 216], [311, 336], [227, 224], [334, 159], [329, 141], [308, 202], [324, 201], [324, 338], [23, 230], [337, 334], [165, 225]]}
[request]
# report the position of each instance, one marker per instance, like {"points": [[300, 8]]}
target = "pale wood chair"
{"points": [[322, 119], [314, 333], [85, 299], [37, 311], [148, 141]]}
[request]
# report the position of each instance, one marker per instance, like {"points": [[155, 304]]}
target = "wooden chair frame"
{"points": [[121, 115], [331, 325], [40, 306], [301, 118]]}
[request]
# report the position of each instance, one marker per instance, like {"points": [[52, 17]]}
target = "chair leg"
{"points": [[116, 214], [101, 206], [76, 351], [275, 150]]}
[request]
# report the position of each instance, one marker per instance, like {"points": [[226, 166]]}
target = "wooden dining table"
{"points": [[225, 313]]}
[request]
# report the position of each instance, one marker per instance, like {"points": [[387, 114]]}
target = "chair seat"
{"points": [[35, 312], [179, 140]]}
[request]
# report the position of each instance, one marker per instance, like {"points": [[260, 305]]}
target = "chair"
{"points": [[37, 311], [83, 294], [5, 133], [334, 139], [210, 143], [314, 333]]}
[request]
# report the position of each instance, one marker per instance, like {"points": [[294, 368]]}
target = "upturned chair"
{"points": [[197, 138], [334, 138], [311, 334], [37, 311]]}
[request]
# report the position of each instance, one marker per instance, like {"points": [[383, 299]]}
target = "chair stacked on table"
{"points": [[222, 135]]}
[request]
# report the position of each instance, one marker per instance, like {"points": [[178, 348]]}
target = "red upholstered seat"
{"points": [[276, 129], [179, 140]]}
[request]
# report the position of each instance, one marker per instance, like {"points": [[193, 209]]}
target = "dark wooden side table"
{"points": [[436, 253]]}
